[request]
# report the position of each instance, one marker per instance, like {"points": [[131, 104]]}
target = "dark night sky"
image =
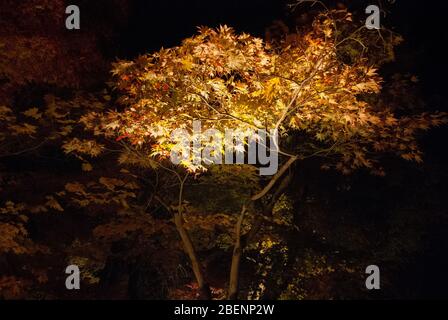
{"points": [[423, 25], [166, 23]]}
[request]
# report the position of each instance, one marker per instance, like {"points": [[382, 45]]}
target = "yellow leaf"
{"points": [[87, 167], [66, 130], [371, 72], [25, 129], [53, 204], [33, 113], [271, 87], [187, 64], [75, 188]]}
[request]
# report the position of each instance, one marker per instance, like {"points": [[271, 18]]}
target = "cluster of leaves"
{"points": [[22, 132], [313, 274], [36, 48]]}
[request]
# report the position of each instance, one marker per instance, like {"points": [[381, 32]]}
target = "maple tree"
{"points": [[301, 88]]}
